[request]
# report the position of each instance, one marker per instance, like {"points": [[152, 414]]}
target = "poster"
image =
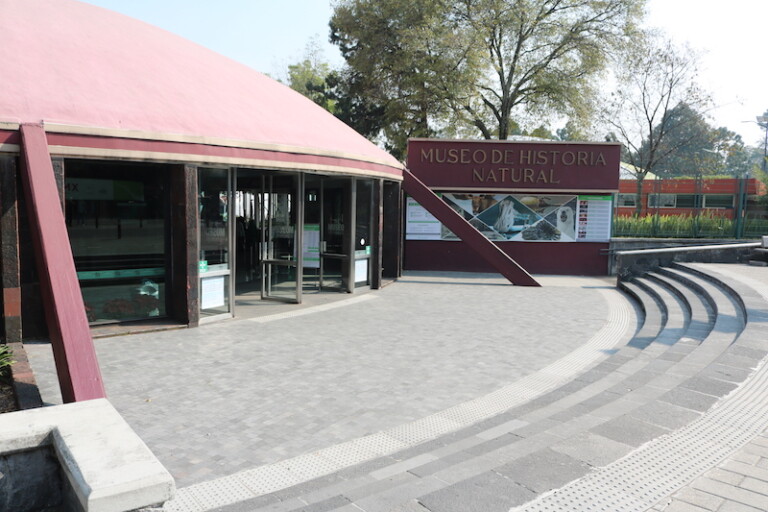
{"points": [[419, 223], [519, 217], [212, 292], [311, 245], [595, 218]]}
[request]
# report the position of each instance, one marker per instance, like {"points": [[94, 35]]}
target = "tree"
{"points": [[571, 132], [541, 55], [542, 132], [407, 57], [653, 79], [308, 77], [446, 65], [739, 160], [691, 146], [342, 89]]}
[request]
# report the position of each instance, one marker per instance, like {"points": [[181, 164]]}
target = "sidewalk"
{"points": [[239, 394], [445, 393]]}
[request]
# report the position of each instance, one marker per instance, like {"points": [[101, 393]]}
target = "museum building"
{"points": [[184, 181]]}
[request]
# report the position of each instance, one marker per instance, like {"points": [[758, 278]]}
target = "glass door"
{"points": [[215, 264], [281, 243], [363, 231], [336, 235]]}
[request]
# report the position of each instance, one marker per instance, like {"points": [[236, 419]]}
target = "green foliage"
{"points": [[309, 77], [478, 66], [656, 86], [407, 61], [689, 146], [573, 132], [685, 226], [543, 132], [343, 88], [6, 358]]}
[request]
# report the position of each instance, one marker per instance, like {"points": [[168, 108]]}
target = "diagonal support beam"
{"points": [[73, 350], [484, 248]]}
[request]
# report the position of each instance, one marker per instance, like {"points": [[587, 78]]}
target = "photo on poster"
{"points": [[508, 217], [517, 216], [502, 217]]}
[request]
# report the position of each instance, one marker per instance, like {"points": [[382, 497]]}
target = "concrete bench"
{"points": [[760, 254], [81, 457]]}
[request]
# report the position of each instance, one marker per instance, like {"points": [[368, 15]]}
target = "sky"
{"points": [[268, 35]]}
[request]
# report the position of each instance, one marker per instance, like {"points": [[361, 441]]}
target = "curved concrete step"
{"points": [[642, 478], [702, 312], [654, 313]]}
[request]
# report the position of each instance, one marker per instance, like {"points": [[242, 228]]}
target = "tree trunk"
{"points": [[639, 195]]}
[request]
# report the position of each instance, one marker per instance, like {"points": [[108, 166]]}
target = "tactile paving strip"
{"points": [[311, 310], [273, 477], [664, 465]]}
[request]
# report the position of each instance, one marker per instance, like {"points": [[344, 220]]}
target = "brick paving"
{"points": [[297, 385], [238, 394], [739, 483]]}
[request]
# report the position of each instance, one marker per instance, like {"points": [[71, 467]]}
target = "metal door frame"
{"points": [[267, 256]]}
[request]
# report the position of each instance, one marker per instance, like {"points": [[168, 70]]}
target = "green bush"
{"points": [[6, 358], [705, 225]]}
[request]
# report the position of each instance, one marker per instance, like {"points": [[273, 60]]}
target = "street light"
{"points": [[762, 121]]}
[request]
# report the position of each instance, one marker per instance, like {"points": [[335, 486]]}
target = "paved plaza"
{"points": [[434, 388]]}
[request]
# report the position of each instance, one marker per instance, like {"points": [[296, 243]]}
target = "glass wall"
{"points": [[116, 216], [215, 264]]}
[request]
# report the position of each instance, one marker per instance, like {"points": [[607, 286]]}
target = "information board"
{"points": [[311, 245], [519, 217], [212, 292], [419, 223], [594, 223]]}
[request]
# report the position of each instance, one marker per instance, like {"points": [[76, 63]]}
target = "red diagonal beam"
{"points": [[76, 364], [484, 248]]}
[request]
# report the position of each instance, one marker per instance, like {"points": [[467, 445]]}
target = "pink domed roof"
{"points": [[70, 63]]}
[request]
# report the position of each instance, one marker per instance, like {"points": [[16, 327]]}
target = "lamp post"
{"points": [[762, 121]]}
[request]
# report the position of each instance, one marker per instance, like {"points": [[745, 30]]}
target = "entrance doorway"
{"points": [[268, 235], [299, 233]]}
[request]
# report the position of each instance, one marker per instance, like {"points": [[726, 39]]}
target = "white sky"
{"points": [[268, 35], [733, 37]]}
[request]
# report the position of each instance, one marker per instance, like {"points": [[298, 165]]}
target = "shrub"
{"points": [[705, 225], [6, 359]]}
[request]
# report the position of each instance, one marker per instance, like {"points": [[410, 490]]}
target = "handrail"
{"points": [[690, 248]]}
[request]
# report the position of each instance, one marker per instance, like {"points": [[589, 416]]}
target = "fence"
{"points": [[692, 208]]}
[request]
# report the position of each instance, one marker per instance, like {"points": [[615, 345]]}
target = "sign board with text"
{"points": [[539, 193]]}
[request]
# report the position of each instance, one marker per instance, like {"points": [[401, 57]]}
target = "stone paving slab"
{"points": [[717, 488], [510, 458], [265, 389]]}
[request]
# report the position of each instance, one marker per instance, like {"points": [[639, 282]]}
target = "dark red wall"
{"points": [[509, 167], [559, 258], [512, 165]]}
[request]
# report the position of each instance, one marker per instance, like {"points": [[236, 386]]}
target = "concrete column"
{"points": [[392, 235], [378, 233], [59, 173], [185, 296]]}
